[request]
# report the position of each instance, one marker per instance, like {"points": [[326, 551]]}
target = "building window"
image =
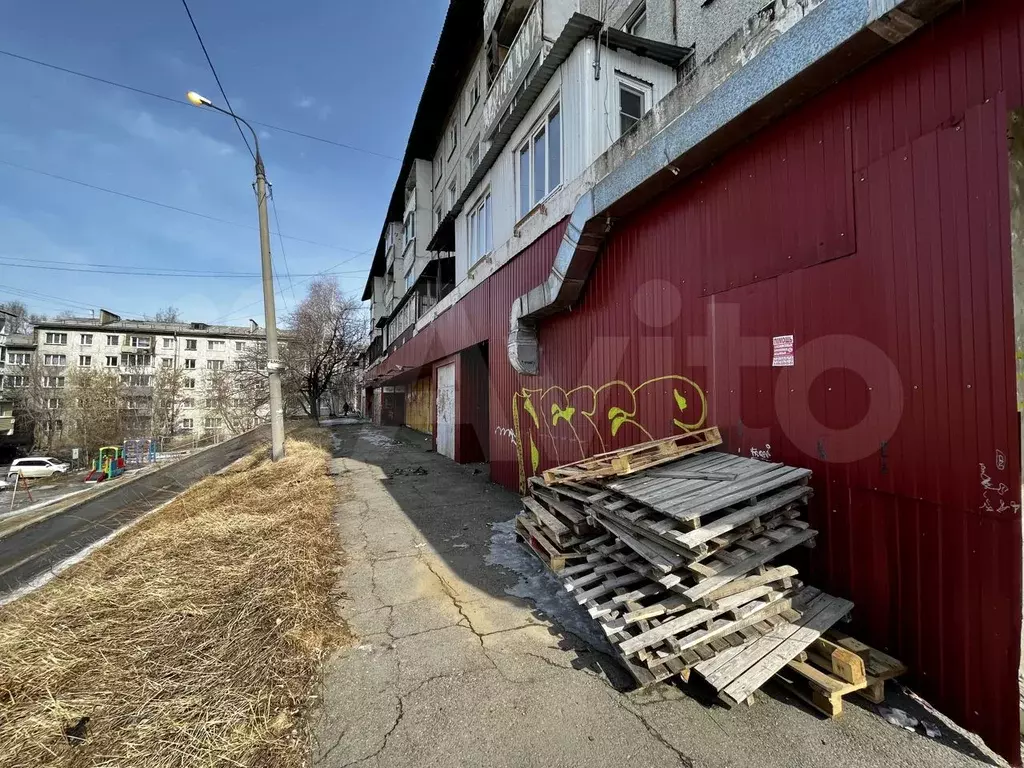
{"points": [[16, 381], [55, 359], [637, 24], [111, 361], [438, 168], [215, 344], [472, 157], [19, 358], [53, 382], [438, 216], [211, 422], [410, 226], [189, 363], [540, 162], [472, 95], [239, 365], [186, 425], [85, 361], [113, 341], [57, 338], [215, 365], [141, 342], [135, 360], [136, 380], [453, 135], [410, 276], [188, 402], [633, 100], [85, 339], [53, 403], [191, 345], [239, 346], [480, 230], [168, 343], [167, 362], [453, 193], [190, 384]]}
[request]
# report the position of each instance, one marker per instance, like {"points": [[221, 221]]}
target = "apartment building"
{"points": [[203, 358], [788, 219], [7, 321]]}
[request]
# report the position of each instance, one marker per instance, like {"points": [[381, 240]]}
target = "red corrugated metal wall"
{"points": [[873, 226]]}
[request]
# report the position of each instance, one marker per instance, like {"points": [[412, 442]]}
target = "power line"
{"points": [[173, 270], [166, 205], [277, 221], [183, 103], [216, 77], [113, 269]]}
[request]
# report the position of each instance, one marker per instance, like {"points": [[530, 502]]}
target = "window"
{"points": [[19, 358], [453, 135], [188, 402], [438, 168], [141, 342], [472, 157], [136, 380], [540, 162], [16, 381], [438, 216], [134, 359], [168, 343], [53, 382], [410, 226], [85, 361], [191, 345], [215, 365], [55, 359], [215, 344], [239, 365], [410, 277], [167, 362], [189, 363], [633, 99], [85, 339], [211, 422], [186, 424], [453, 193], [239, 346], [480, 230], [113, 341], [53, 403], [56, 338], [190, 384], [111, 361], [637, 24], [472, 95]]}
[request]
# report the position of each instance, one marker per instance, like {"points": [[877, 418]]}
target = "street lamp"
{"points": [[274, 366]]}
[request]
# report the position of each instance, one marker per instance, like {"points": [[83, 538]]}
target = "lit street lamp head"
{"points": [[199, 101]]}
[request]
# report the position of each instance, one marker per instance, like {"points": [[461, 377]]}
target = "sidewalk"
{"points": [[468, 653]]}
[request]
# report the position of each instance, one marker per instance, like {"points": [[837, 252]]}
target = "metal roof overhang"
{"points": [[578, 28]]}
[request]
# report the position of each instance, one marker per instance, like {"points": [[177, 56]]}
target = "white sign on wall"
{"points": [[782, 352]]}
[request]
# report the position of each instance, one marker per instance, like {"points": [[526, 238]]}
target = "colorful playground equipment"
{"points": [[140, 451], [108, 465]]}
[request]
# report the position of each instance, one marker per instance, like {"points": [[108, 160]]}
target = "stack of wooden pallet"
{"points": [[681, 575]]}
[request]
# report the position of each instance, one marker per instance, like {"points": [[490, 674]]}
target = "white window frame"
{"points": [[85, 339], [438, 169], [472, 157], [19, 358], [472, 96], [636, 18], [140, 342], [480, 229], [168, 343], [187, 425], [452, 135], [116, 340], [453, 192], [188, 384], [57, 339], [191, 345], [542, 127], [85, 361], [215, 344], [115, 358], [215, 365], [644, 90], [55, 360], [189, 363]]}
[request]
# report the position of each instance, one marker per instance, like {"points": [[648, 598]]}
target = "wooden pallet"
{"points": [[553, 557], [637, 458], [829, 673], [878, 666]]}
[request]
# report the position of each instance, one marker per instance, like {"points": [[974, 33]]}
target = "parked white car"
{"points": [[37, 466]]}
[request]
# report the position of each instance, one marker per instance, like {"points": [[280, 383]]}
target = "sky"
{"points": [[344, 71]]}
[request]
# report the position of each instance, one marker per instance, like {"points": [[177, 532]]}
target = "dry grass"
{"points": [[194, 639]]}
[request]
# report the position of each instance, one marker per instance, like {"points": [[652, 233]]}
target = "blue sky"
{"points": [[350, 72]]}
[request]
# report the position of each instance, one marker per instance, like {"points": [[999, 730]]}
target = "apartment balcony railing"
{"points": [[524, 51]]}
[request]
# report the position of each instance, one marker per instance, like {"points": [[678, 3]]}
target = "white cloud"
{"points": [[305, 102]]}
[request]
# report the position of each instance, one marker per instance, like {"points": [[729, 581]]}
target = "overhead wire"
{"points": [[167, 206], [183, 103], [284, 254], [216, 77], [113, 269]]}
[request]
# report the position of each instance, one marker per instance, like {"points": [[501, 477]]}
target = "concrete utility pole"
{"points": [[274, 366]]}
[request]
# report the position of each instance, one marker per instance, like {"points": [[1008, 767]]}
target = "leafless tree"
{"points": [[93, 409], [328, 331], [169, 314], [39, 394], [24, 321], [169, 397]]}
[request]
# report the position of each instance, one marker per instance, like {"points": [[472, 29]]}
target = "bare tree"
{"points": [[38, 392], [327, 332], [92, 411], [169, 314], [169, 397], [23, 321]]}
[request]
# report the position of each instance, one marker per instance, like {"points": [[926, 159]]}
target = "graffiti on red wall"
{"points": [[579, 422]]}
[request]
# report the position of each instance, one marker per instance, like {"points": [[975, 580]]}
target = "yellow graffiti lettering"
{"points": [[690, 414]]}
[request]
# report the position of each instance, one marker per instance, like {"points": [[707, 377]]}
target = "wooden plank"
{"points": [[556, 527], [730, 574], [844, 664], [742, 585], [658, 556], [808, 630], [744, 515]]}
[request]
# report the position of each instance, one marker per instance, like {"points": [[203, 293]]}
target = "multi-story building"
{"points": [[192, 368], [788, 219], [7, 321]]}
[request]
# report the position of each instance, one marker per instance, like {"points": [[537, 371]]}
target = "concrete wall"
{"points": [[708, 26]]}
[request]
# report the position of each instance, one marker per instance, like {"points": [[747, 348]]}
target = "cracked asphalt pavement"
{"points": [[467, 653]]}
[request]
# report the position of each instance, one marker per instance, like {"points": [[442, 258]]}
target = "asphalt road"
{"points": [[29, 553]]}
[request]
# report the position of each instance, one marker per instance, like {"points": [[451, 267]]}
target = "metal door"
{"points": [[446, 410]]}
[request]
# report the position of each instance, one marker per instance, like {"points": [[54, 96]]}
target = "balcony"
{"points": [[517, 63], [6, 426]]}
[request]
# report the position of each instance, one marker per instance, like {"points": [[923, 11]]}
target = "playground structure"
{"points": [[140, 451], [107, 465]]}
